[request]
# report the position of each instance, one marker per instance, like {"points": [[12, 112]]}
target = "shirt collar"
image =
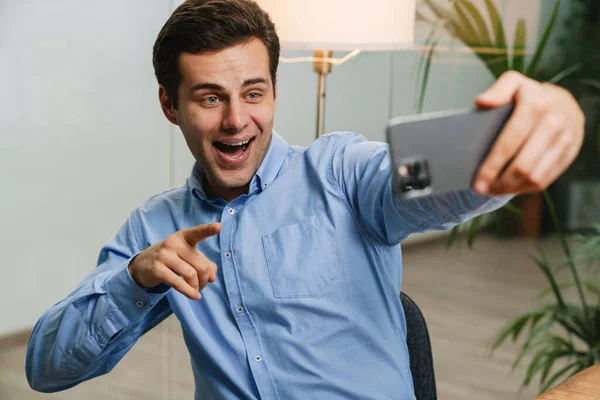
{"points": [[264, 176], [271, 164]]}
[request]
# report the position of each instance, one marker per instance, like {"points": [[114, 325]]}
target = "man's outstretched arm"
{"points": [[538, 143]]}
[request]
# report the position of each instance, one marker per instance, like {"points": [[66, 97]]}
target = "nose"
{"points": [[235, 116]]}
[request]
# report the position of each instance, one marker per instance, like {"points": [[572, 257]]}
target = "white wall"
{"points": [[83, 141]]}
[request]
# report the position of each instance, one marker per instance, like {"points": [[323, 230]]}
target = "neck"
{"points": [[229, 194]]}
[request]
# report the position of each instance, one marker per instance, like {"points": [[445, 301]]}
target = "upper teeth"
{"points": [[238, 143]]}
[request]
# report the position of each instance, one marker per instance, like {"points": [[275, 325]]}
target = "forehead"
{"points": [[227, 67]]}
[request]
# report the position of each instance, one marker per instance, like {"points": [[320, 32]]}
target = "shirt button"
{"points": [[228, 255], [240, 309], [231, 211], [139, 304], [257, 358]]}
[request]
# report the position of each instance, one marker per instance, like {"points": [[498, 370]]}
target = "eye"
{"points": [[211, 100], [254, 96]]}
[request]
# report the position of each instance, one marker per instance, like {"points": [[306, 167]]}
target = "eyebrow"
{"points": [[219, 88]]}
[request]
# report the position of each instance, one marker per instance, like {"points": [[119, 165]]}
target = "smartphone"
{"points": [[440, 152]]}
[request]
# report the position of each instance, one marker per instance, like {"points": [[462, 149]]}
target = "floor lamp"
{"points": [[324, 26]]}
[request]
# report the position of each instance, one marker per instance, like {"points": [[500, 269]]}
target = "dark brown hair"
{"points": [[199, 26]]}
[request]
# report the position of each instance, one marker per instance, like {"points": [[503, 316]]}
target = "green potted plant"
{"points": [[562, 338], [559, 331]]}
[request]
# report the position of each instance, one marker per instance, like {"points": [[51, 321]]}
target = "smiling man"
{"points": [[282, 263], [225, 109]]}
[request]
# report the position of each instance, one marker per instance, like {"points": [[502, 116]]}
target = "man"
{"points": [[281, 263]]}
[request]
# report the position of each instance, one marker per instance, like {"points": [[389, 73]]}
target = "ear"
{"points": [[166, 103]]}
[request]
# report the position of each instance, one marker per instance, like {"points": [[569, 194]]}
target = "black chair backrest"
{"points": [[419, 350]]}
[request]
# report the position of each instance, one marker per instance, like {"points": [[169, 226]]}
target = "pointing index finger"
{"points": [[198, 233]]}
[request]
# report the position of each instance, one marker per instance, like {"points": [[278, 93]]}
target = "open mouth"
{"points": [[233, 147], [235, 152]]}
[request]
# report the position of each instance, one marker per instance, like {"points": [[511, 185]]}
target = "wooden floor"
{"points": [[466, 296]]}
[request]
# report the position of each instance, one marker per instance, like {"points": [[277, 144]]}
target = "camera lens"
{"points": [[413, 175]]}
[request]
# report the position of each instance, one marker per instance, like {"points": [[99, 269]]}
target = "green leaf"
{"points": [[565, 73], [597, 330], [466, 26], [596, 353], [509, 329], [448, 17], [559, 342], [533, 341], [566, 249], [535, 365], [593, 84], [518, 63], [426, 70], [564, 371], [551, 358], [573, 327], [499, 37], [482, 29], [531, 344], [586, 360], [548, 273], [490, 60], [547, 291], [473, 230], [533, 65], [497, 25], [535, 319], [452, 237], [464, 22], [440, 12], [420, 17], [553, 349], [587, 252], [519, 325], [420, 68], [497, 65], [506, 332], [547, 367], [516, 211], [590, 287]]}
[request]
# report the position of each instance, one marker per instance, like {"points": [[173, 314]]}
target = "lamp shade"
{"points": [[343, 24]]}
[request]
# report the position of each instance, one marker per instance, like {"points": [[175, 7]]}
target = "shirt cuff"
{"points": [[132, 300]]}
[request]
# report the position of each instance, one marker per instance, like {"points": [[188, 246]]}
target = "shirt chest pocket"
{"points": [[301, 257]]}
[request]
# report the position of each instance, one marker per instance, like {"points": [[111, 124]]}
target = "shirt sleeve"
{"points": [[89, 331], [362, 171]]}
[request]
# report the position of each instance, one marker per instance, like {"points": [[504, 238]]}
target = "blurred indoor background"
{"points": [[83, 142]]}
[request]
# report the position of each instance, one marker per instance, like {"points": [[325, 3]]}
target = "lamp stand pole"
{"points": [[322, 67]]}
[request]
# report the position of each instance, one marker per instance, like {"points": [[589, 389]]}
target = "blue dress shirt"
{"points": [[306, 301]]}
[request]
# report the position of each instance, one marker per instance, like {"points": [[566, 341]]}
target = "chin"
{"points": [[234, 180]]}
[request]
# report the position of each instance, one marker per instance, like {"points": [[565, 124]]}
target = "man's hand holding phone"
{"points": [[539, 141]]}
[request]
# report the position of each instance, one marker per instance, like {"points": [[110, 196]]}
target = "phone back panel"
{"points": [[441, 152]]}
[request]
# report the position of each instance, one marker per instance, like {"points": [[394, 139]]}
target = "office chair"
{"points": [[419, 350]]}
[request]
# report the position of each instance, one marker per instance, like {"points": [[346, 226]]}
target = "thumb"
{"points": [[502, 92], [198, 233]]}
